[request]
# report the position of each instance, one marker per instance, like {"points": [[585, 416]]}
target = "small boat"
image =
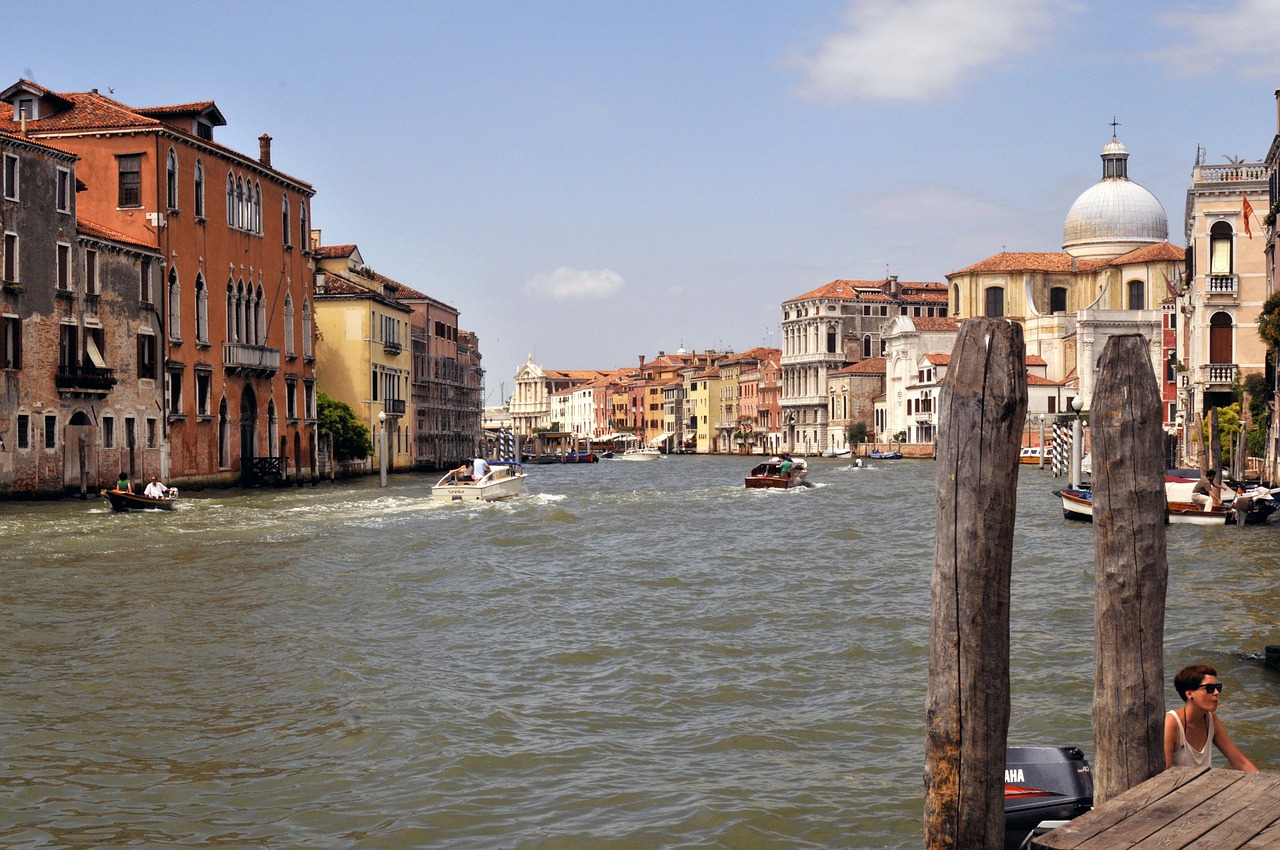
{"points": [[1031, 454], [834, 452], [1076, 503], [1189, 513], [567, 457], [504, 480], [1043, 786], [769, 475], [122, 500], [888, 454], [646, 453]]}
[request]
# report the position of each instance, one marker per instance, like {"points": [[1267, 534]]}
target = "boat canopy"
{"points": [[662, 438]]}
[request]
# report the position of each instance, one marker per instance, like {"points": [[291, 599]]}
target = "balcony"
{"points": [[85, 379], [250, 359], [390, 346], [1223, 286], [924, 417], [393, 406], [1219, 375]]}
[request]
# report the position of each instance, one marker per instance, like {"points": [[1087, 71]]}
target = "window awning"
{"points": [[91, 348], [662, 438]]}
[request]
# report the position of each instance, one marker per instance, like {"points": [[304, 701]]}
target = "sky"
{"points": [[592, 182]]}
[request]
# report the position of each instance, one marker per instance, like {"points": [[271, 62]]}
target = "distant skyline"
{"points": [[588, 182]]}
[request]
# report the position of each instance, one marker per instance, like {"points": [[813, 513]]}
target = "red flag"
{"points": [[1168, 284], [1248, 214]]}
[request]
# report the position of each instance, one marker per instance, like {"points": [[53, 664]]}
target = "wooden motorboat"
{"points": [[122, 500], [1076, 503], [769, 475], [1189, 513], [888, 454], [1032, 454], [504, 480]]}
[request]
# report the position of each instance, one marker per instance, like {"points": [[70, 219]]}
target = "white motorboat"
{"points": [[834, 452], [504, 480], [646, 453]]}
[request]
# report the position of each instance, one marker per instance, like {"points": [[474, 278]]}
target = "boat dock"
{"points": [[1181, 807]]}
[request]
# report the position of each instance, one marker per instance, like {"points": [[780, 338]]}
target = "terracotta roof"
{"points": [[97, 231], [1037, 381], [333, 252], [37, 143], [837, 289], [938, 359], [1161, 251], [867, 366], [1060, 262], [935, 323], [1036, 360], [335, 284]]}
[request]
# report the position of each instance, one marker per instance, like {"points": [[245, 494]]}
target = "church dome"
{"points": [[1115, 215]]}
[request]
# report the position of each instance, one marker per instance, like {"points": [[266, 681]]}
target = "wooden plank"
{"points": [[1252, 806], [1159, 814], [982, 409], [1130, 568], [1201, 813], [1074, 833], [1268, 839]]}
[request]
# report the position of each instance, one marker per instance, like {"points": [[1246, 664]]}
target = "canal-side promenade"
{"points": [[635, 655]]}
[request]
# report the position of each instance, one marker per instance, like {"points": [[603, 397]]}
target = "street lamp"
{"points": [[382, 444], [792, 422]]}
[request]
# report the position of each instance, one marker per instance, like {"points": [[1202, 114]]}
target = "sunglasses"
{"points": [[1214, 688]]}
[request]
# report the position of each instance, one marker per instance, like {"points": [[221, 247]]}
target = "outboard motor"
{"points": [[1043, 784]]}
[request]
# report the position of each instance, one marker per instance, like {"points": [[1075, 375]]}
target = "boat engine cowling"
{"points": [[1043, 784]]}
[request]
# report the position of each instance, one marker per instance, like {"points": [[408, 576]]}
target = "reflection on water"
{"points": [[635, 655]]}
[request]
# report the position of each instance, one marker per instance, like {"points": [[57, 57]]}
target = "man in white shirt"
{"points": [[479, 468], [155, 489]]}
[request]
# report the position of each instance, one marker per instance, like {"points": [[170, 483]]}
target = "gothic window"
{"points": [[199, 190], [202, 310], [175, 306], [171, 179]]}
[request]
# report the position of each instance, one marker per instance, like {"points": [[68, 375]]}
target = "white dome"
{"points": [[1115, 215]]}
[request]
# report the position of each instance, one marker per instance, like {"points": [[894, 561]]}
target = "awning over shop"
{"points": [[662, 438]]}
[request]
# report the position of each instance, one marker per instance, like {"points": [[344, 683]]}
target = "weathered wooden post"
{"points": [[1131, 570], [982, 409]]}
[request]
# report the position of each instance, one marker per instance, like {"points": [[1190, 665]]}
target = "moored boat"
{"points": [[769, 475], [122, 500], [1031, 454], [503, 480], [1076, 503], [646, 453], [887, 454]]}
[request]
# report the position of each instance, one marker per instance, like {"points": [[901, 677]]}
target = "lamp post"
{"points": [[792, 422], [382, 444], [1043, 418], [1077, 404]]}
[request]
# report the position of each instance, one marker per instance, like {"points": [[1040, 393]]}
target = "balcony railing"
{"points": [[78, 378], [1220, 373], [250, 358], [393, 406], [390, 346], [1223, 284]]}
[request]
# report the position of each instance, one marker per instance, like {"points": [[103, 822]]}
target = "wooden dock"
{"points": [[1181, 807]]}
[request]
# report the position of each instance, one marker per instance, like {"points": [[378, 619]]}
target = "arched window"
{"points": [[994, 301], [231, 201], [175, 306], [231, 312], [257, 208], [866, 345], [831, 339], [1220, 259], [202, 310], [199, 190], [289, 350], [306, 328], [955, 299], [260, 316], [171, 179], [303, 233], [284, 215], [1058, 299], [1137, 295], [240, 325], [242, 217]]}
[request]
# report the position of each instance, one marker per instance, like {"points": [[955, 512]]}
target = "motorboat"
{"points": [[1043, 786], [834, 452], [1077, 503], [124, 500], [503, 480], [886, 454], [646, 453], [769, 475], [1032, 454]]}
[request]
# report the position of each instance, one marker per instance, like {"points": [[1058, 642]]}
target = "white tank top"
{"points": [[1185, 755]]}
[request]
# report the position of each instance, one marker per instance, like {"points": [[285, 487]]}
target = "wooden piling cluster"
{"points": [[983, 406]]}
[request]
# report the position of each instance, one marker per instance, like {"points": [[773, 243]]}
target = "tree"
{"points": [[1228, 427], [349, 435], [1256, 396], [856, 433], [1269, 322]]}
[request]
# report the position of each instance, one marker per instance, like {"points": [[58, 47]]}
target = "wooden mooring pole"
{"points": [[1131, 569], [982, 410]]}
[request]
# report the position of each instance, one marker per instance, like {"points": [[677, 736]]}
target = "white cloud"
{"points": [[565, 282], [919, 49], [1240, 37]]}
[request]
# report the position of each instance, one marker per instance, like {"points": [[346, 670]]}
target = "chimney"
{"points": [[264, 150]]}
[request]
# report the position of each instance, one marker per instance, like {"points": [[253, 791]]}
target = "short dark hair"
{"points": [[1189, 678]]}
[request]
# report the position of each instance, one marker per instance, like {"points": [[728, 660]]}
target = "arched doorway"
{"points": [[224, 435], [248, 426], [79, 459], [1220, 338]]}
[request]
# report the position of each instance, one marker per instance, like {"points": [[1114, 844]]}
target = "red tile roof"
{"points": [[935, 323], [1060, 262], [867, 366], [98, 231]]}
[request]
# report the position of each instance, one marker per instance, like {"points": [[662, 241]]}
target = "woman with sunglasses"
{"points": [[1190, 731]]}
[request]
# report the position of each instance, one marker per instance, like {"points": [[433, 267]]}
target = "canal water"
{"points": [[636, 655]]}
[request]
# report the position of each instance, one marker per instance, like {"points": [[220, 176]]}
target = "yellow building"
{"points": [[702, 407], [364, 357]]}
